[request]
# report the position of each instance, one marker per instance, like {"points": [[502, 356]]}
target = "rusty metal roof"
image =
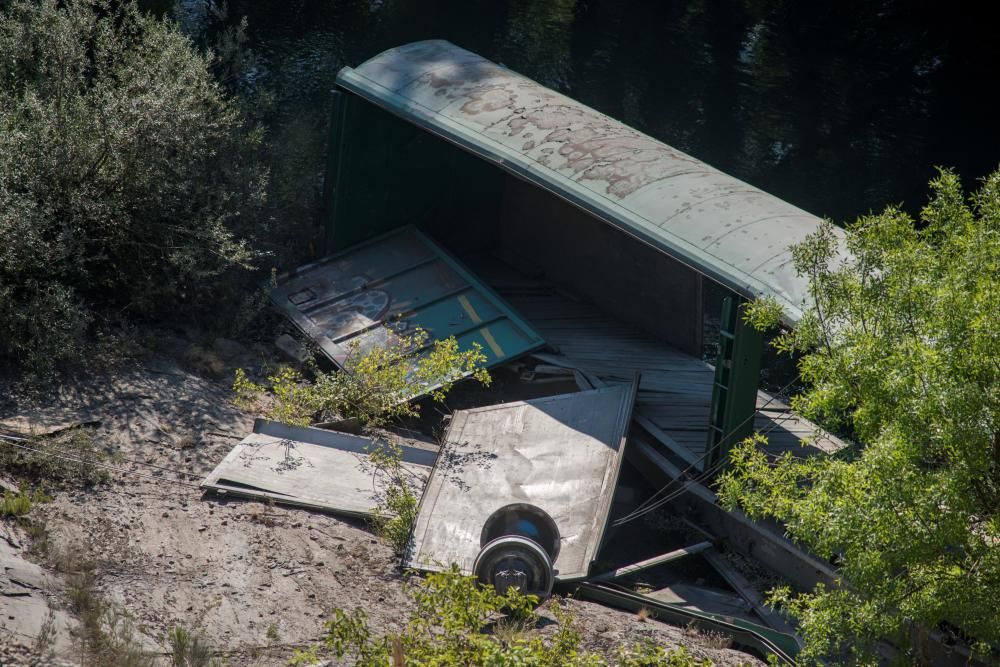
{"points": [[725, 228]]}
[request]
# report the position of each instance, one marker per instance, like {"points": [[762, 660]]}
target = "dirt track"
{"points": [[255, 580]]}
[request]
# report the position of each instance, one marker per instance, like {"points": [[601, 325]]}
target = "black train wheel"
{"points": [[515, 561]]}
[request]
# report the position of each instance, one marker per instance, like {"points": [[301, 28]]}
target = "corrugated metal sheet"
{"points": [[400, 282], [561, 454], [314, 468], [721, 226]]}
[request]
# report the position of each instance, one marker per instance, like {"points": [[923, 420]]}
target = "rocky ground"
{"points": [[254, 580]]}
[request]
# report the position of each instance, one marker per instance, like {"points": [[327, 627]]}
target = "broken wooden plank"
{"points": [[761, 639], [652, 562], [705, 599]]}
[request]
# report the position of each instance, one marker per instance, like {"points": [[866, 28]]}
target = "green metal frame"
{"points": [[384, 172], [734, 389], [761, 640], [336, 150]]}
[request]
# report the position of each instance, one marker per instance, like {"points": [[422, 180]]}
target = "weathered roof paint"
{"points": [[725, 228]]}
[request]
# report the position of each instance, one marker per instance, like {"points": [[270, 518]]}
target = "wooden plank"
{"points": [[322, 470]]}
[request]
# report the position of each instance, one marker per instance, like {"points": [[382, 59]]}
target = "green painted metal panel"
{"points": [[737, 377], [392, 285], [384, 172], [724, 228]]}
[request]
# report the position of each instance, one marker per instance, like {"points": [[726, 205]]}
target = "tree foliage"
{"points": [[902, 347], [126, 179], [455, 621]]}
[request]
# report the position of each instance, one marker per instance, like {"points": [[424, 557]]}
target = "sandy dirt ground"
{"points": [[255, 580]]}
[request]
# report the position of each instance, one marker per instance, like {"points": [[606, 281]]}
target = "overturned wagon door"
{"points": [[313, 468], [541, 471], [394, 284]]}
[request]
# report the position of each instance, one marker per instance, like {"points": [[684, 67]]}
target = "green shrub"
{"points": [[190, 650], [20, 503], [900, 345], [458, 622], [396, 512], [77, 463], [127, 180], [106, 634], [374, 387]]}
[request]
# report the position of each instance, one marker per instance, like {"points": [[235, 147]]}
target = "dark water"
{"points": [[838, 107]]}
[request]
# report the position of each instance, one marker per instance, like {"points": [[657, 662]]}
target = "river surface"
{"points": [[838, 107]]}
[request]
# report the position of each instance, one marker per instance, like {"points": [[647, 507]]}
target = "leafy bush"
{"points": [[902, 346], [374, 387], [394, 516], [127, 180], [458, 622]]}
